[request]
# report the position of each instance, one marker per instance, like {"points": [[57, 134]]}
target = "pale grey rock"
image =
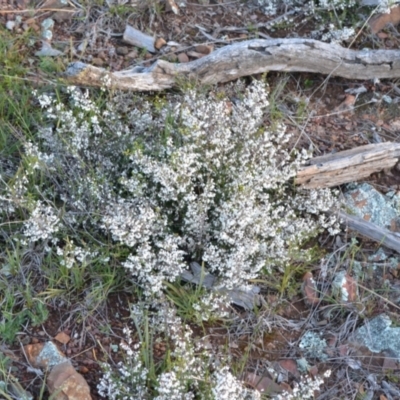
{"points": [[47, 51], [378, 335], [10, 25], [366, 202], [50, 355]]}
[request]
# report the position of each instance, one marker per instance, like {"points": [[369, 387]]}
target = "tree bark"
{"points": [[247, 58]]}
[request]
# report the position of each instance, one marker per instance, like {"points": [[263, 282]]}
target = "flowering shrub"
{"points": [[196, 178]]}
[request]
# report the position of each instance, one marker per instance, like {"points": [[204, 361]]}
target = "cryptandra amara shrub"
{"points": [[215, 187], [198, 178], [195, 178]]}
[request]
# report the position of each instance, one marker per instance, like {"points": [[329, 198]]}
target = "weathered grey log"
{"points": [[348, 166], [372, 231], [248, 58], [139, 39]]}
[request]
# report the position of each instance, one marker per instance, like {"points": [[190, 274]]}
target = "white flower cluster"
{"points": [[211, 305], [132, 375], [305, 389], [384, 6], [338, 35], [72, 254], [272, 7], [227, 387], [333, 4], [131, 379], [42, 223], [170, 327]]}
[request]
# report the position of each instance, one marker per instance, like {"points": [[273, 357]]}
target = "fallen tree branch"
{"points": [[247, 58], [349, 165], [372, 231]]}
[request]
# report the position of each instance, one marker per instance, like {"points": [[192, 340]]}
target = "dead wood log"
{"points": [[139, 39], [372, 231], [247, 58], [348, 166]]}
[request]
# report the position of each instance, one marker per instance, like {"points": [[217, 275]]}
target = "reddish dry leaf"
{"points": [[350, 286], [313, 371], [309, 289], [381, 20], [290, 366]]}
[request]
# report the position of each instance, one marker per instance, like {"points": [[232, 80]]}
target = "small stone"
{"points": [[25, 340], [160, 42], [122, 50], [62, 337], [48, 23], [203, 49], [10, 25], [47, 35], [183, 58], [343, 350], [44, 355], [83, 369], [132, 54], [98, 61], [32, 351], [313, 371], [102, 55], [47, 51], [67, 384]]}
